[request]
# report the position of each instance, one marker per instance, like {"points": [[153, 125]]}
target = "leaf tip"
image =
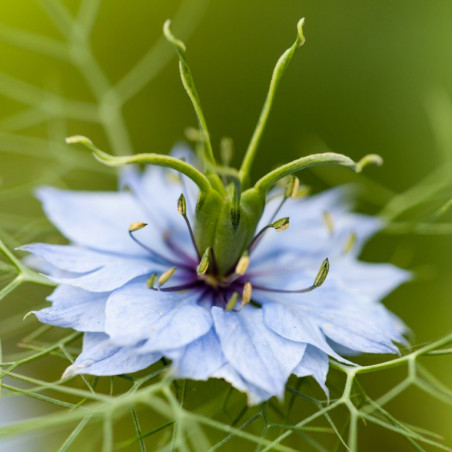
{"points": [[370, 159], [79, 139]]}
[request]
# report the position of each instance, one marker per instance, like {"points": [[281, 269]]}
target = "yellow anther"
{"points": [[350, 243], [205, 262], [136, 226], [182, 205], [232, 301], [246, 294], [328, 220], [322, 273], [282, 224], [292, 187], [165, 277], [242, 265], [150, 282]]}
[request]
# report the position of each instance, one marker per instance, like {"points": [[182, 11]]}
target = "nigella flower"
{"points": [[199, 267]]}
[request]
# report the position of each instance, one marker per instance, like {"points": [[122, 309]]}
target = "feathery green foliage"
{"points": [[150, 411]]}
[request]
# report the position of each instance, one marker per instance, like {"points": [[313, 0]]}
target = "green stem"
{"points": [[278, 71], [329, 158], [424, 351], [25, 273], [155, 159], [189, 85]]}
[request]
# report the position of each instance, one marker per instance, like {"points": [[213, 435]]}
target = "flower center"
{"points": [[230, 291]]}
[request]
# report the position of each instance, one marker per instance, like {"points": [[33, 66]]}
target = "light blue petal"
{"points": [[69, 258], [101, 272], [315, 363], [75, 308], [114, 275], [255, 394], [341, 316], [357, 324], [256, 353], [198, 360], [314, 241], [290, 322], [366, 331], [99, 220], [308, 234], [165, 320], [100, 357], [305, 209], [157, 190], [368, 280], [40, 265]]}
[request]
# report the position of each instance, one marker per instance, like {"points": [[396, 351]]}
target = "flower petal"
{"points": [[100, 271], [75, 308], [341, 315], [164, 320], [101, 357], [290, 322], [309, 235], [369, 281], [99, 220], [254, 351], [198, 360], [69, 258], [157, 190], [255, 394], [315, 363], [148, 187]]}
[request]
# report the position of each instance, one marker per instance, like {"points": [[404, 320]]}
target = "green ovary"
{"points": [[214, 227]]}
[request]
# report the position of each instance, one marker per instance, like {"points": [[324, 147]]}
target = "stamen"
{"points": [[282, 224], [182, 209], [184, 184], [150, 282], [246, 294], [302, 192], [240, 269], [328, 220], [193, 134], [322, 273], [205, 262], [242, 264], [350, 243], [279, 225], [178, 288], [165, 277], [289, 192], [292, 187], [230, 305], [318, 281], [136, 226]]}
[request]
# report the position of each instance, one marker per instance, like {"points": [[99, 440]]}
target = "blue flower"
{"points": [[141, 285]]}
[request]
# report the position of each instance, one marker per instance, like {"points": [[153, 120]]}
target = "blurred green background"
{"points": [[373, 77]]}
